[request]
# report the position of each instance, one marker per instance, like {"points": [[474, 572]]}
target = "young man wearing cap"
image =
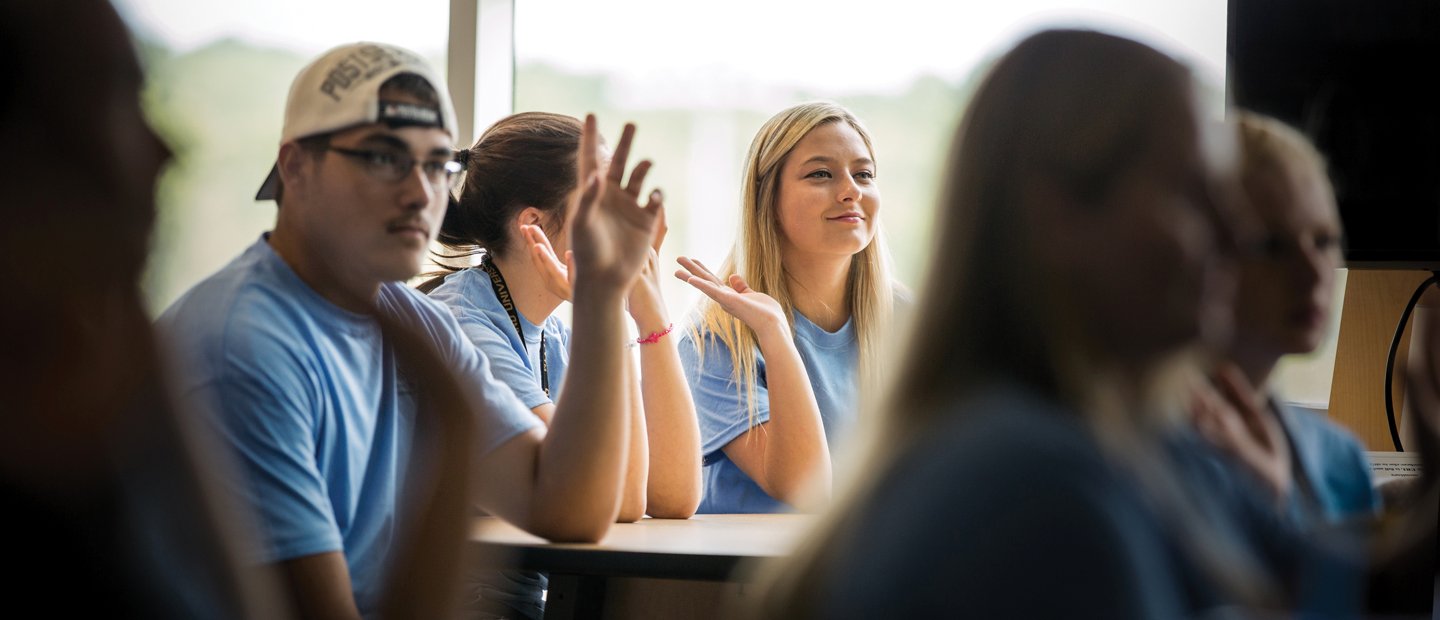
{"points": [[283, 343]]}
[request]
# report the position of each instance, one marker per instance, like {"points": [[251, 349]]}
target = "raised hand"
{"points": [[758, 311], [1228, 414], [558, 277], [611, 233]]}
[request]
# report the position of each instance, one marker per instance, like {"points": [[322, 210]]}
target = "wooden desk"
{"points": [[652, 569]]}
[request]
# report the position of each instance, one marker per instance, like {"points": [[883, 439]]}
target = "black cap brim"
{"points": [[271, 185]]}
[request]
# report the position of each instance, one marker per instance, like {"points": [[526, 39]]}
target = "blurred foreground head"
{"points": [[1083, 228], [78, 162], [96, 469]]}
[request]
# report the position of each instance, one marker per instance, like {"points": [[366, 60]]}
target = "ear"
{"points": [[295, 166], [531, 216]]}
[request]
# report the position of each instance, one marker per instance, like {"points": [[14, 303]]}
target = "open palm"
{"points": [[756, 310]]}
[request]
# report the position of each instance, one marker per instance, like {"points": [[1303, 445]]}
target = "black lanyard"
{"points": [[497, 282]]}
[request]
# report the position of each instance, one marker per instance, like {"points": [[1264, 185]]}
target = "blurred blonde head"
{"points": [[1286, 288]]}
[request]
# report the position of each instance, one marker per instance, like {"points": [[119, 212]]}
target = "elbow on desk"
{"points": [[676, 512], [661, 507], [561, 531], [799, 493], [631, 511]]}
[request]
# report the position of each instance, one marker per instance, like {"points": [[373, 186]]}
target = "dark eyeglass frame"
{"points": [[394, 166]]}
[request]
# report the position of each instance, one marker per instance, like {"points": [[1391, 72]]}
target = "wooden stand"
{"points": [[1374, 300]]}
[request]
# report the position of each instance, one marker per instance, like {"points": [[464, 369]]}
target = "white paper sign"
{"points": [[1386, 465]]}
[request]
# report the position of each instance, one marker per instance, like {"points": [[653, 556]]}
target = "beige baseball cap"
{"points": [[341, 89]]}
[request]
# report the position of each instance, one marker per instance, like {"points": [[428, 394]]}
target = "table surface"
{"points": [[707, 547]]}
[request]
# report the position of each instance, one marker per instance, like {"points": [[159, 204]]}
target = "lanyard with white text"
{"points": [[497, 281]]}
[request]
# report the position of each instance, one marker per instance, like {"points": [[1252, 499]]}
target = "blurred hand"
{"points": [[612, 232], [1232, 416], [756, 310]]}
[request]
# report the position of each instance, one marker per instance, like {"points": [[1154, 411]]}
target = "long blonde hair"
{"points": [[756, 257], [1066, 107]]}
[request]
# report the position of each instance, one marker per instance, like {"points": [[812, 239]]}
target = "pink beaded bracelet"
{"points": [[655, 337]]}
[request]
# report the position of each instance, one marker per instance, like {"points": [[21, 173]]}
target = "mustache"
{"points": [[402, 223]]}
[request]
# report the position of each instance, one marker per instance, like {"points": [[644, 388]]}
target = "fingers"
{"points": [[589, 159], [533, 234], [661, 228], [547, 253], [637, 177], [622, 153], [713, 290], [1237, 389], [543, 257], [588, 198], [738, 283], [695, 268], [655, 207], [1235, 386]]}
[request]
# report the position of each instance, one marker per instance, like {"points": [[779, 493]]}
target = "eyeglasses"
{"points": [[392, 166]]}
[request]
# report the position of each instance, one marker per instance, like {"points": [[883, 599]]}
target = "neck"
{"points": [[818, 285], [350, 294], [532, 299]]}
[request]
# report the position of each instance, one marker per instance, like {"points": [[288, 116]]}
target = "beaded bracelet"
{"points": [[655, 337]]}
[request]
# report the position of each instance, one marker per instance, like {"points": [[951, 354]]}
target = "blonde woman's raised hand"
{"points": [[559, 277], [755, 309], [612, 231]]}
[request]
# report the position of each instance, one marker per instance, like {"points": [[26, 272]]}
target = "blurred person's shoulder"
{"points": [[1002, 439]]}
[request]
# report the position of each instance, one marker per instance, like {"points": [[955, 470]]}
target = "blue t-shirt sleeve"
{"points": [[502, 415], [506, 364], [719, 398], [267, 416]]}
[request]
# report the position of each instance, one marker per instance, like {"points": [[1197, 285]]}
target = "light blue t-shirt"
{"points": [[473, 301], [1331, 473], [308, 397], [831, 362]]}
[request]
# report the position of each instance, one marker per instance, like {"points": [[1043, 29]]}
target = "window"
{"points": [[218, 74], [698, 79]]}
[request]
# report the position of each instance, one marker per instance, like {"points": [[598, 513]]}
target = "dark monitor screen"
{"points": [[1360, 78]]}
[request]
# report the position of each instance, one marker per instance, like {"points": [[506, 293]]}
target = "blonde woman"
{"points": [[794, 314], [1024, 465], [1282, 307]]}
